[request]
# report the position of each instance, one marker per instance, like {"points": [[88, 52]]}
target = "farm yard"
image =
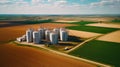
{"points": [[11, 33]]}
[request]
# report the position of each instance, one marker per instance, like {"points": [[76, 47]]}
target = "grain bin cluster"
{"points": [[42, 34]]}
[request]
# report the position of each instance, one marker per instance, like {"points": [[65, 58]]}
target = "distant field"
{"points": [[116, 21], [7, 23], [100, 51], [102, 30], [83, 22], [108, 25]]}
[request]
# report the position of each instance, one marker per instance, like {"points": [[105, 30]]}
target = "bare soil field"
{"points": [[95, 19], [17, 56], [11, 33], [110, 25], [83, 34], [112, 37]]}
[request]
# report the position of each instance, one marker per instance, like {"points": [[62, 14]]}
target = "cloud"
{"points": [[51, 0], [60, 3], [57, 7], [113, 3], [3, 2], [36, 1], [12, 2]]}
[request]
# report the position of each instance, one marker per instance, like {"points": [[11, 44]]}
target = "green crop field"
{"points": [[116, 20], [78, 23], [83, 22], [102, 30], [100, 51]]}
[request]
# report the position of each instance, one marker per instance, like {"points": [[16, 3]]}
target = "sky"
{"points": [[59, 6]]}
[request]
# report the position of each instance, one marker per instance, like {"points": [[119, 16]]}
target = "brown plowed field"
{"points": [[17, 56]]}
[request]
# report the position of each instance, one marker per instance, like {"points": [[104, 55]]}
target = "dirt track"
{"points": [[16, 56]]}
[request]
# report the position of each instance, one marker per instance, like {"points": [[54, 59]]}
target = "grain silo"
{"points": [[62, 29], [53, 38], [47, 35], [36, 38], [41, 33], [57, 31], [63, 35], [29, 35]]}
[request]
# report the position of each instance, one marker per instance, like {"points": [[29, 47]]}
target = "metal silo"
{"points": [[29, 35], [53, 38], [36, 38], [62, 29], [47, 35], [57, 31], [44, 30], [63, 35], [41, 33]]}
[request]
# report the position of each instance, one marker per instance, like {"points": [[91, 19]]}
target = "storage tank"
{"points": [[47, 35], [29, 35], [63, 35], [53, 38], [41, 33], [62, 29], [36, 38], [57, 31]]}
